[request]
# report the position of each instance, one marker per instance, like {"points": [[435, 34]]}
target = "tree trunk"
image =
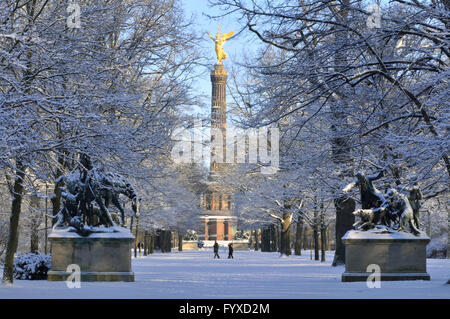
{"points": [[35, 221], [299, 237], [267, 239], [56, 199], [165, 241], [323, 234], [305, 238], [263, 239], [256, 240], [46, 220], [286, 235], [136, 239], [429, 224], [149, 246], [251, 239], [316, 234], [169, 241], [34, 241], [13, 235], [180, 242], [316, 242], [145, 243], [278, 238], [323, 239], [140, 247], [329, 238], [273, 241], [345, 206], [162, 241], [152, 244]]}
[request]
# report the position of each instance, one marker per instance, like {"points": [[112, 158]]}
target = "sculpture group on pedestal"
{"points": [[87, 195], [392, 209]]}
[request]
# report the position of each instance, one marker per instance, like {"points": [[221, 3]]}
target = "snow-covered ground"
{"points": [[195, 274]]}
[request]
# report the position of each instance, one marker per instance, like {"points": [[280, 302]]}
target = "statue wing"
{"points": [[226, 36]]}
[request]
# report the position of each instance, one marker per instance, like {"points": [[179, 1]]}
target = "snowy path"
{"points": [[194, 274]]}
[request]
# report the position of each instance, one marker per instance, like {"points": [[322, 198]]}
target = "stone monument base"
{"points": [[400, 256], [100, 256]]}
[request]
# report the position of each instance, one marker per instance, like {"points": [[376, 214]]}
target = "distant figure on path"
{"points": [[230, 251], [216, 250]]}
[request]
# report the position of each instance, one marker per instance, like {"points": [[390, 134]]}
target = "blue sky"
{"points": [[234, 47]]}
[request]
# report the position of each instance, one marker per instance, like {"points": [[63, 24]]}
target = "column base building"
{"points": [[217, 221]]}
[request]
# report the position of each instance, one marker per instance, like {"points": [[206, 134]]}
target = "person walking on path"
{"points": [[230, 251], [216, 250]]}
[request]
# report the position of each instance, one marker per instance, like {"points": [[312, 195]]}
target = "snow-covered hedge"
{"points": [[32, 266], [437, 248], [240, 234], [3, 237]]}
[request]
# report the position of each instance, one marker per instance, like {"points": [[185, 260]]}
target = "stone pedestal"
{"points": [[400, 256], [100, 256]]}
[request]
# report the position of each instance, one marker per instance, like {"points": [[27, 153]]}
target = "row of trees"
{"points": [[317, 238], [111, 80]]}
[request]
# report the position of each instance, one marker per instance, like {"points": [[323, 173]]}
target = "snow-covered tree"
{"points": [[349, 95], [113, 88]]}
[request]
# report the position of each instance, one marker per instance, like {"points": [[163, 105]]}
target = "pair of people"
{"points": [[216, 250]]}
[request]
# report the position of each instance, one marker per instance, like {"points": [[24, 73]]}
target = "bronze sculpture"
{"points": [[86, 198], [370, 196], [391, 210], [399, 203]]}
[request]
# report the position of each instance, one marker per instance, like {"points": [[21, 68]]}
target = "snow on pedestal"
{"points": [[104, 256]]}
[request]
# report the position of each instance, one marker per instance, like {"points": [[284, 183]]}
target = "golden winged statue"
{"points": [[219, 41]]}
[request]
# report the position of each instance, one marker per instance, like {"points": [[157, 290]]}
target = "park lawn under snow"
{"points": [[195, 274]]}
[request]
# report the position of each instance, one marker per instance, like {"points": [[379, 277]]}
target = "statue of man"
{"points": [[415, 196], [370, 196], [400, 205]]}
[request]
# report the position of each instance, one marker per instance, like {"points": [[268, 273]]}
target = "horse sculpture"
{"points": [[88, 193], [110, 187], [391, 209]]}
